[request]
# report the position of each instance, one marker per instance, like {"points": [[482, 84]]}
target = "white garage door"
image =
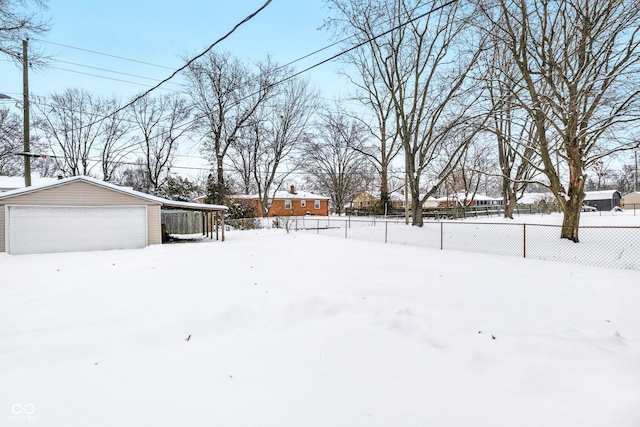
{"points": [[43, 229]]}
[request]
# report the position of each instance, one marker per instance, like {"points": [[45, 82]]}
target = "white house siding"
{"points": [[81, 193]]}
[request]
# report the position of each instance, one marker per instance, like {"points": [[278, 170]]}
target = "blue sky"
{"points": [[161, 32]]}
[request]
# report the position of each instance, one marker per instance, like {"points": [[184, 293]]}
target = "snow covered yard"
{"points": [[304, 330]]}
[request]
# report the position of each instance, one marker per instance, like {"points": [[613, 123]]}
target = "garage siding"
{"points": [[84, 194], [154, 232]]}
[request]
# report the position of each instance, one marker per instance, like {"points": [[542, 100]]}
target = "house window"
{"points": [[287, 204], [316, 204], [303, 203]]}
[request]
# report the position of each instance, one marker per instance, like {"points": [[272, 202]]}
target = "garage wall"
{"points": [[154, 232], [80, 193]]}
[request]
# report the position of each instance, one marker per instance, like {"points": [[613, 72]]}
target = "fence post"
{"points": [[345, 228], [441, 235], [386, 227], [318, 229], [524, 240]]}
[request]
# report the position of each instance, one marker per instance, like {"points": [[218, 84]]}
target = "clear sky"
{"points": [[161, 32]]}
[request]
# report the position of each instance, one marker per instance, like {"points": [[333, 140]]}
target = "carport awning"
{"points": [[192, 206]]}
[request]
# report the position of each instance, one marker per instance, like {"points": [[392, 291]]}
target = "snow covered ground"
{"points": [[305, 330]]}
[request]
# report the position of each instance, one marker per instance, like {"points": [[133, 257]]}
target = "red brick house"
{"points": [[289, 203]]}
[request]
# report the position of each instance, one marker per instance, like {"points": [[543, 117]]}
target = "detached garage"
{"points": [[81, 214]]}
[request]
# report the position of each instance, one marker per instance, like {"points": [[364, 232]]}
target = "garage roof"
{"points": [[124, 190]]}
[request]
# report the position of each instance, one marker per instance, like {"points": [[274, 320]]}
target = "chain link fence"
{"points": [[612, 247]]}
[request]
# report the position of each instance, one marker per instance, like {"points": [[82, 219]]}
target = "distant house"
{"points": [[397, 200], [364, 200], [462, 199], [430, 203], [536, 198], [631, 201], [288, 203], [603, 200]]}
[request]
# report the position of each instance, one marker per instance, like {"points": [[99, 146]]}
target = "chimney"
{"points": [[293, 190], [60, 177]]}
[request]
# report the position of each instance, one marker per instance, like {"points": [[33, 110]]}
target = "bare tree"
{"points": [[601, 171], [74, 124], [372, 93], [423, 66], [225, 94], [134, 175], [624, 179], [283, 129], [470, 175], [10, 142], [241, 153], [331, 161], [512, 128], [20, 20], [162, 121], [114, 147], [577, 68]]}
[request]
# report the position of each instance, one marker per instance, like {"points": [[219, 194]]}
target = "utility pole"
{"points": [[25, 102]]}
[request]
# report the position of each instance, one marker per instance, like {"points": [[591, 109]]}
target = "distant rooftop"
{"points": [[14, 182]]}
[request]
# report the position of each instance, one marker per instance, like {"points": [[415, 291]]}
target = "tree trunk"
{"points": [[219, 196], [573, 205], [384, 190], [510, 204], [570, 224], [416, 210]]}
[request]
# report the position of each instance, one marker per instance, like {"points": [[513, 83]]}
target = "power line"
{"points": [[105, 54], [110, 78], [359, 45], [195, 58], [107, 70]]}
